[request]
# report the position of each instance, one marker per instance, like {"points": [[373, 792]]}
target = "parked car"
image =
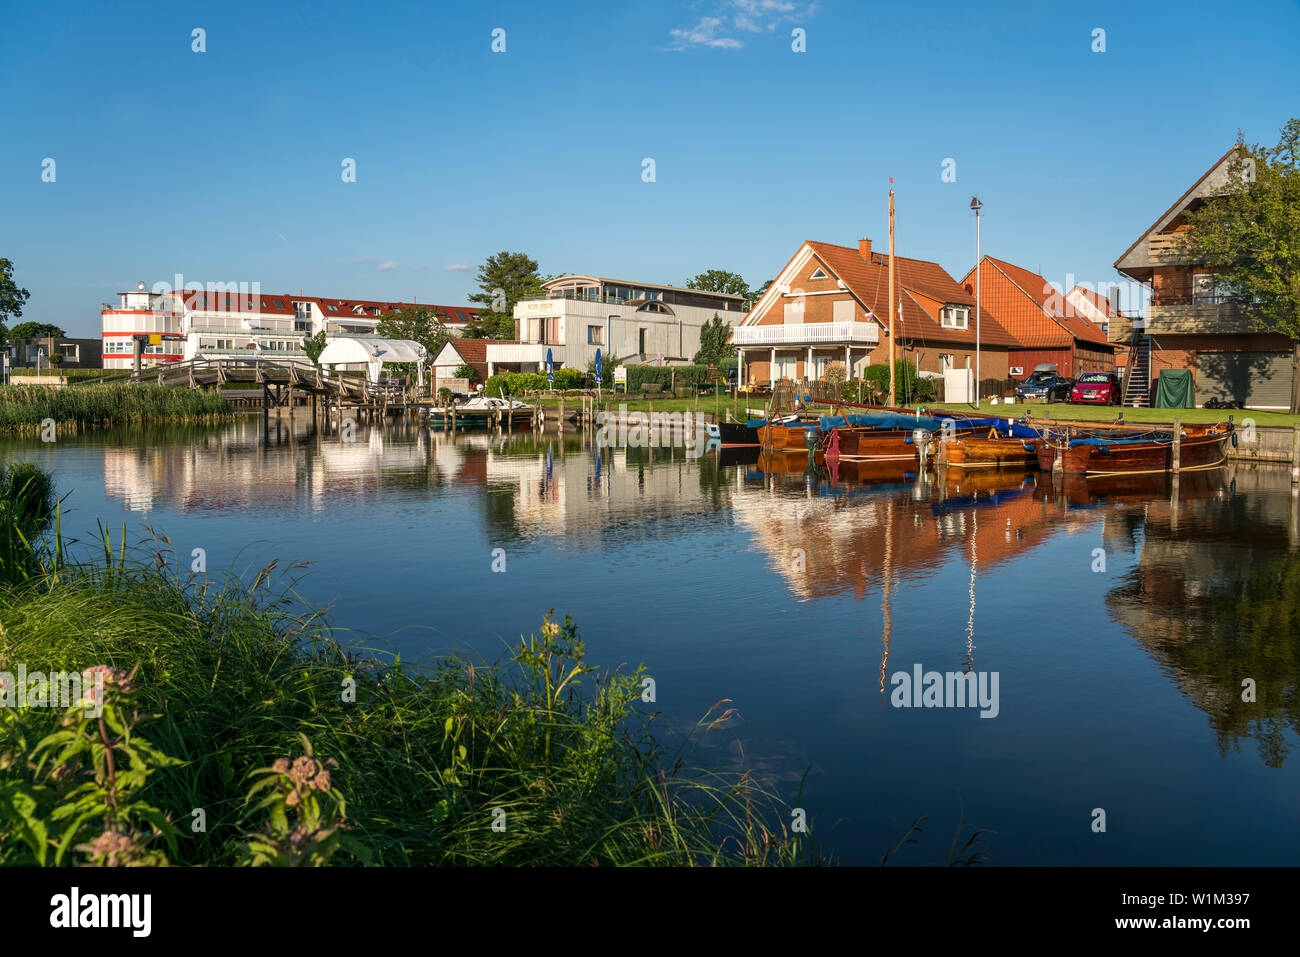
{"points": [[1102, 388], [1045, 384]]}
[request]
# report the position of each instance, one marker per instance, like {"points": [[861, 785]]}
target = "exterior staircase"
{"points": [[1137, 377]]}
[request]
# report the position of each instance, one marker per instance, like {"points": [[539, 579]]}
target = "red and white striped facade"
{"points": [[230, 320]]}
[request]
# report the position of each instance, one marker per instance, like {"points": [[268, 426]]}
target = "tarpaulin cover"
{"points": [[882, 420], [1174, 390], [1096, 441]]}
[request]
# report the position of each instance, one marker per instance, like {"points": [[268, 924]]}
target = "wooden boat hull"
{"points": [[883, 444], [779, 437], [981, 452], [1205, 450], [737, 435]]}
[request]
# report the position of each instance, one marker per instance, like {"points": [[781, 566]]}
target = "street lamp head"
{"points": [[975, 204]]}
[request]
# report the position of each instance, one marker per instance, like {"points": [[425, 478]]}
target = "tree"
{"points": [[466, 371], [760, 292], [504, 279], [422, 324], [719, 280], [1249, 234], [314, 346], [713, 342], [11, 297], [35, 330]]}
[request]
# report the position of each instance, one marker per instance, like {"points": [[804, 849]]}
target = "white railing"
{"points": [[808, 333]]}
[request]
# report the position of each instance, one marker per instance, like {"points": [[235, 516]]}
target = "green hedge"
{"points": [[909, 389], [668, 376], [515, 383]]}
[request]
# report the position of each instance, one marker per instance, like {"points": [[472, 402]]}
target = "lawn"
{"points": [[1104, 413]]}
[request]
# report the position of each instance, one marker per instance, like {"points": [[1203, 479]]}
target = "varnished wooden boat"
{"points": [[990, 452], [1201, 447], [778, 436]]}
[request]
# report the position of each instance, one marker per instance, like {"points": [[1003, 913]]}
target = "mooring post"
{"points": [[560, 424], [1178, 446], [1295, 455]]}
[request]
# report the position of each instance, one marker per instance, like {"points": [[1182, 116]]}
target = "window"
{"points": [[818, 273], [1206, 290], [334, 308], [640, 339], [794, 311], [842, 310], [954, 317], [594, 334]]}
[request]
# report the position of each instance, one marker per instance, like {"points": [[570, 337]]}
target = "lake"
{"points": [[1116, 622]]}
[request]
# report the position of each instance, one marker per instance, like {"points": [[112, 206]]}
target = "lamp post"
{"points": [[976, 206]]}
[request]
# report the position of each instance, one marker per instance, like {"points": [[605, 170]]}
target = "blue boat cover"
{"points": [[1098, 441]]}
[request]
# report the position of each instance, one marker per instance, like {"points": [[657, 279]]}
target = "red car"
{"points": [[1101, 388]]}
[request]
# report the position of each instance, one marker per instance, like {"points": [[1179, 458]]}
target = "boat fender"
{"points": [[1234, 440]]}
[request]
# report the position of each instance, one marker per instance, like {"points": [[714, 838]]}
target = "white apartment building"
{"points": [[234, 320], [635, 321]]}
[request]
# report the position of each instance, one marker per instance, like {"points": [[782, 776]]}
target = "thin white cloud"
{"points": [[365, 259], [750, 16], [458, 267], [705, 33], [385, 267]]}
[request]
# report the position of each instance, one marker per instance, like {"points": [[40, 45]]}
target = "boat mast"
{"points": [[892, 402]]}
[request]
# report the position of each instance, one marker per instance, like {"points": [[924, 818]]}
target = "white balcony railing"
{"points": [[807, 334]]}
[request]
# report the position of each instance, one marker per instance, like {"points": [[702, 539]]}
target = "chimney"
{"points": [[864, 249]]}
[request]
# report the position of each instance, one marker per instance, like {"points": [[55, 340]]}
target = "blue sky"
{"points": [[225, 166]]}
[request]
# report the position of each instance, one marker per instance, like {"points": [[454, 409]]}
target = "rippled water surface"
{"points": [[1121, 620]]}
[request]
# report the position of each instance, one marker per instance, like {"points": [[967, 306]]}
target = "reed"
{"points": [[538, 759], [26, 409]]}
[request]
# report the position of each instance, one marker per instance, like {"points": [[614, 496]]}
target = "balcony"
{"points": [[1201, 316], [1166, 249], [808, 334]]}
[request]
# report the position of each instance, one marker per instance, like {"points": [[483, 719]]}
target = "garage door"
{"points": [[1258, 380]]}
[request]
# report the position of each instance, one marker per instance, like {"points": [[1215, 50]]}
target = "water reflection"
{"points": [[1208, 568]]}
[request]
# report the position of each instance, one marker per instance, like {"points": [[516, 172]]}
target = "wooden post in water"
{"points": [[1295, 455], [560, 423], [1177, 463]]}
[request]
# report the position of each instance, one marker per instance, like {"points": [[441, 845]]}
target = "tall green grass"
{"points": [[27, 506], [26, 408], [538, 759]]}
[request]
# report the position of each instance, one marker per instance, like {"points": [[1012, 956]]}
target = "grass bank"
{"points": [[1108, 413], [235, 707], [25, 409]]}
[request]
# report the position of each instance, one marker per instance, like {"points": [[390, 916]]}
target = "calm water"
{"points": [[799, 597]]}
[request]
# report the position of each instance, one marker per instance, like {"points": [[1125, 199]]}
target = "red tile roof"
{"points": [[280, 304], [1052, 306], [869, 283], [1103, 303]]}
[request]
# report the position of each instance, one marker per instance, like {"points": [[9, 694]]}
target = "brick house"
{"points": [[1191, 324], [829, 307], [1046, 328]]}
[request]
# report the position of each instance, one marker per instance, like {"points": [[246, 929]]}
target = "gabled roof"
{"points": [[1103, 303], [868, 282], [1211, 180], [1045, 296]]}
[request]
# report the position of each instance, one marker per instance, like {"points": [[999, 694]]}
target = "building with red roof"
{"points": [[829, 307], [238, 319], [1044, 326]]}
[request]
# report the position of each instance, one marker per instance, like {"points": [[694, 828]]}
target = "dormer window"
{"points": [[818, 273], [955, 317]]}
